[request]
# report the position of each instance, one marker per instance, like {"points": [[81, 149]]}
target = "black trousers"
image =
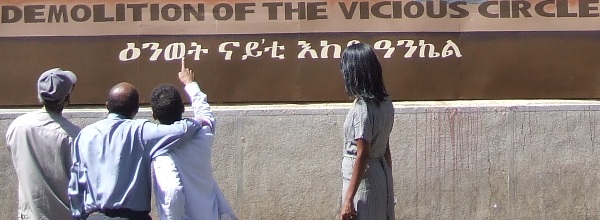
{"points": [[119, 214]]}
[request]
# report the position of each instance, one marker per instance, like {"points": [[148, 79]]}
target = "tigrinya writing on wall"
{"points": [[289, 51]]}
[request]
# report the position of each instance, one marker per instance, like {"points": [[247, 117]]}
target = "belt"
{"points": [[350, 153], [124, 213], [349, 156], [370, 159]]}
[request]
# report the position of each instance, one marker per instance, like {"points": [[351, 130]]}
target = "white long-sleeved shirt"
{"points": [[183, 182]]}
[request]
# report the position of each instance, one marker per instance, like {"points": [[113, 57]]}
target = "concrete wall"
{"points": [[452, 160]]}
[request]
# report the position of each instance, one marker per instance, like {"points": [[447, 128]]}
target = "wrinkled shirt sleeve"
{"points": [[363, 122], [77, 183], [159, 139], [9, 135], [168, 189], [202, 110]]}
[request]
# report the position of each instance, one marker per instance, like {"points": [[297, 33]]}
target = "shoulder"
{"points": [[92, 128], [19, 122], [43, 123], [71, 128], [26, 119], [359, 102], [97, 127], [109, 127], [139, 122], [34, 119], [361, 105]]}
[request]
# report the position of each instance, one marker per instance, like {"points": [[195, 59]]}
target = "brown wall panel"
{"points": [[492, 65]]}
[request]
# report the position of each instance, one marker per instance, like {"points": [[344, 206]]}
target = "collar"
{"points": [[116, 116]]}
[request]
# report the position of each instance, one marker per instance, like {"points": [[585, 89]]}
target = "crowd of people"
{"points": [[108, 169]]}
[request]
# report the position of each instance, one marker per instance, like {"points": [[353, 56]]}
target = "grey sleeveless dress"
{"points": [[375, 196]]}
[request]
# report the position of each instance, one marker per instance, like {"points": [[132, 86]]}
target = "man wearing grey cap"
{"points": [[40, 145]]}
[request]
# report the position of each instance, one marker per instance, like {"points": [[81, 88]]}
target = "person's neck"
{"points": [[128, 116], [55, 111], [168, 122]]}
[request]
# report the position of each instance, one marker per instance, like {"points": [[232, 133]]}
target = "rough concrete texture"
{"points": [[452, 160]]}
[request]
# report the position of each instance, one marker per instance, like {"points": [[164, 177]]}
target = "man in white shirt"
{"points": [[183, 182], [40, 146]]}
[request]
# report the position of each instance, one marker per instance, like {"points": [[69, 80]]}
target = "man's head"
{"points": [[54, 88], [123, 99], [167, 106]]}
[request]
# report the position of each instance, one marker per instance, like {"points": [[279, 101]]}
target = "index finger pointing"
{"points": [[183, 64]]}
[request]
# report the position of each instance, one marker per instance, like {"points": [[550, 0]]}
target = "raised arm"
{"points": [[164, 137], [202, 110]]}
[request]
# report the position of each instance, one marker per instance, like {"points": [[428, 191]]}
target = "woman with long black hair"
{"points": [[367, 164]]}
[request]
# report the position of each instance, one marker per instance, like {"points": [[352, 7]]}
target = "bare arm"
{"points": [[360, 165], [358, 171]]}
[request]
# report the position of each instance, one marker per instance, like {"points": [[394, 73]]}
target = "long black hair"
{"points": [[362, 73]]}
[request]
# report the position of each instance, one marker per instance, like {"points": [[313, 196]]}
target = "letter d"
{"points": [[17, 14]]}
